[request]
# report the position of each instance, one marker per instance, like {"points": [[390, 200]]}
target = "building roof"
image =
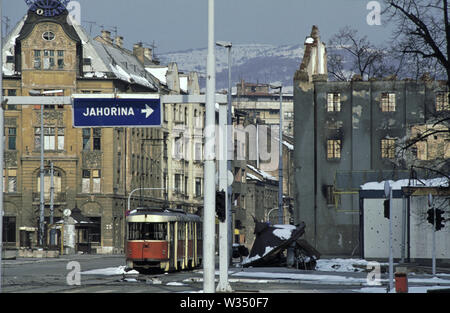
{"points": [[107, 61]]}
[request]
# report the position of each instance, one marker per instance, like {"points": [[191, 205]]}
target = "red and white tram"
{"points": [[163, 238]]}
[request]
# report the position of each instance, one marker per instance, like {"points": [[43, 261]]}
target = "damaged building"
{"points": [[345, 134]]}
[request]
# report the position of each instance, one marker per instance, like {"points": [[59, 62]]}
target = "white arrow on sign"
{"points": [[148, 111]]}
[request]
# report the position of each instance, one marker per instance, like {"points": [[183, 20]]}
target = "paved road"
{"points": [[50, 276]]}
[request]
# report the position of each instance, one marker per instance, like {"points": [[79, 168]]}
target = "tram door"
{"points": [[172, 244]]}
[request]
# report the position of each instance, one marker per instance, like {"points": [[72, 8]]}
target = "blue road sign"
{"points": [[117, 112]]}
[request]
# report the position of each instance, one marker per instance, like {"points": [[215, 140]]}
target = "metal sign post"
{"points": [[430, 204], [388, 194]]}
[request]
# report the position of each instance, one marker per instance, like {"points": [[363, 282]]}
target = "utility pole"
{"points": [[209, 168], [280, 158]]}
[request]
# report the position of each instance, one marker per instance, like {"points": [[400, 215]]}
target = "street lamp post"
{"points": [[209, 167], [280, 158], [41, 171]]}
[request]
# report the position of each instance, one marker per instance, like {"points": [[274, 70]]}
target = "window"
{"points": [[442, 103], [97, 135], [57, 180], [48, 36], [178, 183], [388, 102], [37, 59], [12, 93], [330, 194], [9, 180], [147, 231], [86, 139], [12, 138], [198, 151], [60, 64], [96, 180], [53, 138], [198, 187], [333, 149], [91, 178], [86, 181], [9, 229], [388, 148], [334, 102]]}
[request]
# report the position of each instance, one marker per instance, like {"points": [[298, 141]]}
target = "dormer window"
{"points": [[48, 36]]}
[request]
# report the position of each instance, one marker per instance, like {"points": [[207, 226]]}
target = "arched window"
{"points": [[57, 180]]}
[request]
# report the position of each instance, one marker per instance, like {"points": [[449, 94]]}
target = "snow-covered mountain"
{"points": [[261, 63]]}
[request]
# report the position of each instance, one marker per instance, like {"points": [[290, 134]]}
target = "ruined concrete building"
{"points": [[347, 134]]}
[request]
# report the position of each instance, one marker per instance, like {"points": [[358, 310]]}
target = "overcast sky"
{"points": [[175, 25]]}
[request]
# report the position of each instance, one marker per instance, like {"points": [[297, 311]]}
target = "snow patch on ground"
{"points": [[110, 271], [342, 265]]}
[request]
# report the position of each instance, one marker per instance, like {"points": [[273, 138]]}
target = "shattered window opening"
{"points": [[388, 148], [334, 102], [333, 149], [388, 102], [442, 103]]}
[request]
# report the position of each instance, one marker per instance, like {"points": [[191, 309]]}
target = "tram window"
{"points": [[147, 231]]}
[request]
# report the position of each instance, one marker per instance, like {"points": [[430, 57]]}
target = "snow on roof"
{"points": [[397, 185], [250, 176], [159, 73], [9, 44], [262, 173], [288, 145]]}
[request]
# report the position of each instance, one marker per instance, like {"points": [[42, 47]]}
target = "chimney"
{"points": [[119, 41], [148, 53], [138, 52], [106, 36]]}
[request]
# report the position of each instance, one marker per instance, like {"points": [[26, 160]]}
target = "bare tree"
{"points": [[422, 38], [423, 32], [350, 54]]}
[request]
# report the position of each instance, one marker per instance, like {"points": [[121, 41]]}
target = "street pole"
{"points": [[229, 158], [209, 168], [41, 202], [280, 164], [433, 262], [2, 148], [280, 158], [52, 196], [388, 194]]}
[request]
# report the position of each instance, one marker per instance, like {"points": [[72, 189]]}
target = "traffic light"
{"points": [[220, 206], [439, 219], [430, 216], [386, 209]]}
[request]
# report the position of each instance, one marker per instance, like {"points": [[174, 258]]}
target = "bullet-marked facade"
{"points": [[347, 134]]}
